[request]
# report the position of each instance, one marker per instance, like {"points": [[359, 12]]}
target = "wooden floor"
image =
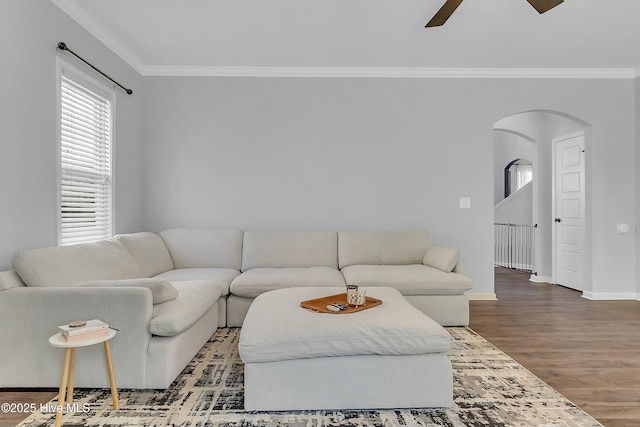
{"points": [[587, 350], [20, 398]]}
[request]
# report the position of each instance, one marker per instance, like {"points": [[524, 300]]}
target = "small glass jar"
{"points": [[357, 298], [351, 290], [360, 298]]}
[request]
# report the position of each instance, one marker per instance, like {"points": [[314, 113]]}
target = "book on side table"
{"points": [[77, 331]]}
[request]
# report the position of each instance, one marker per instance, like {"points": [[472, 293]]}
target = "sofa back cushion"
{"points": [[149, 252], [282, 249], [402, 247], [68, 265], [204, 247]]}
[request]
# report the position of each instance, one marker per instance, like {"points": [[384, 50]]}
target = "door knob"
{"points": [[558, 220]]}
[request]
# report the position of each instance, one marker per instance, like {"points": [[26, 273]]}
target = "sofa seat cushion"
{"points": [[415, 279], [256, 281], [68, 265], [220, 277], [277, 328], [172, 317]]}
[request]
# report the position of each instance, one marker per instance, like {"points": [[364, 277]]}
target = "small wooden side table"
{"points": [[68, 368]]}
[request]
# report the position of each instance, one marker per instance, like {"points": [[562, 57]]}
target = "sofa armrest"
{"points": [[161, 290], [29, 316], [44, 308]]}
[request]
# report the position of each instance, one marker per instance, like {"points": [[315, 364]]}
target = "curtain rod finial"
{"points": [[62, 46]]}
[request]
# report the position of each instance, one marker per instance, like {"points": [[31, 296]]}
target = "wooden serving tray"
{"points": [[319, 305]]}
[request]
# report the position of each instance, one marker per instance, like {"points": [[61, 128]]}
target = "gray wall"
{"points": [[340, 153], [29, 33], [305, 153], [517, 209]]}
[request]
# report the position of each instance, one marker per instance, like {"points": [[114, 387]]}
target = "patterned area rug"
{"points": [[490, 389]]}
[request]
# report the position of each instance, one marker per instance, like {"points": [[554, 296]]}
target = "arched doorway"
{"points": [[543, 130]]}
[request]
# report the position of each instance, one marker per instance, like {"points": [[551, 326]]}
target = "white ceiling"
{"points": [[209, 37]]}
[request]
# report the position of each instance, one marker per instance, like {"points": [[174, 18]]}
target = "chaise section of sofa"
{"points": [[108, 280]]}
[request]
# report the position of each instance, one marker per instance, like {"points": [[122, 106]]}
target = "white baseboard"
{"points": [[540, 279], [608, 296], [482, 296]]}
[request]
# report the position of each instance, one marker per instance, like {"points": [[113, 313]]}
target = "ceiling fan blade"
{"points": [[543, 6], [444, 13]]}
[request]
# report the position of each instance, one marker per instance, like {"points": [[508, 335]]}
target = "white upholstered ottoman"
{"points": [[390, 356]]}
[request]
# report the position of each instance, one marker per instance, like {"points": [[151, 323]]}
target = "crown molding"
{"points": [[394, 72], [78, 14]]}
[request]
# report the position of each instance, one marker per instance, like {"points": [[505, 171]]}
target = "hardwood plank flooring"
{"points": [[587, 350], [21, 397]]}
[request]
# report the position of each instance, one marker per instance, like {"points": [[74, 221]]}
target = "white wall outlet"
{"points": [[623, 228], [465, 202]]}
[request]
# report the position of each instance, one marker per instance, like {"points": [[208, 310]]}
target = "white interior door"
{"points": [[569, 207]]}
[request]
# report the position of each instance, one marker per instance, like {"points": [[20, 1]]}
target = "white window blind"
{"points": [[85, 163]]}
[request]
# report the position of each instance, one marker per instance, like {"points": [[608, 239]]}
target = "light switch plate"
{"points": [[465, 202]]}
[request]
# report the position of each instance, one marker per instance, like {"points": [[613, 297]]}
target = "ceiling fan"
{"points": [[450, 6]]}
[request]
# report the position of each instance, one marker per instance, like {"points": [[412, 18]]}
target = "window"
{"points": [[85, 150], [524, 175], [517, 174]]}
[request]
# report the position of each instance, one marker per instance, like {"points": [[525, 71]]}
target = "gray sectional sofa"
{"points": [[168, 292]]}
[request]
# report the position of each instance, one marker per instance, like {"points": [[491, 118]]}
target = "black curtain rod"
{"points": [[63, 46]]}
